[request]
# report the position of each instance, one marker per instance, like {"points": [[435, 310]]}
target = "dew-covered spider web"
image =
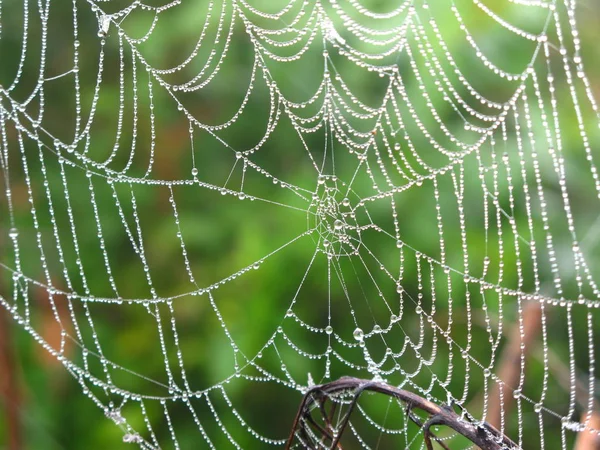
{"points": [[210, 206]]}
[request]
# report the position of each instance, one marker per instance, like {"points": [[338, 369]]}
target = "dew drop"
{"points": [[131, 438], [358, 334]]}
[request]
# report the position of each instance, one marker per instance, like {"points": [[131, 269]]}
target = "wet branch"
{"points": [[483, 434]]}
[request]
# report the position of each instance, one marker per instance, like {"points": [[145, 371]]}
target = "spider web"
{"points": [[419, 196]]}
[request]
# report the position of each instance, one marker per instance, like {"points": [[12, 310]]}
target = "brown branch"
{"points": [[483, 435], [8, 385], [509, 371], [589, 440]]}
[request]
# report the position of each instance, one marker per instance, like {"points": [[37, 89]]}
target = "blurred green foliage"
{"points": [[223, 234]]}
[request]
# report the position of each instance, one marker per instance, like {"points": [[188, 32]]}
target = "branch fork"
{"points": [[482, 434]]}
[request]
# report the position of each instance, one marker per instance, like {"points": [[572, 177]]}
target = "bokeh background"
{"points": [[42, 404]]}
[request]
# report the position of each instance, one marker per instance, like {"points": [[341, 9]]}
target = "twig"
{"points": [[483, 435]]}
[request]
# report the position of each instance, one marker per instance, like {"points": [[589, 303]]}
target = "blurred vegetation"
{"points": [[223, 234]]}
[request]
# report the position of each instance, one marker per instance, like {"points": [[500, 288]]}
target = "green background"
{"points": [[224, 234]]}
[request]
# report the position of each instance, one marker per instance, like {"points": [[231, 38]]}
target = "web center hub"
{"points": [[332, 218]]}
